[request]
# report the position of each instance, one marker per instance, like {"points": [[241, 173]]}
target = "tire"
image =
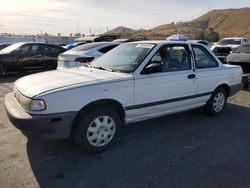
{"points": [[216, 104], [97, 130]]}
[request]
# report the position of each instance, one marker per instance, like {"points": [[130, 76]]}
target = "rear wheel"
{"points": [[97, 130], [217, 102]]}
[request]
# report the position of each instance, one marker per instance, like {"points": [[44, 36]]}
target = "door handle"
{"points": [[191, 76]]}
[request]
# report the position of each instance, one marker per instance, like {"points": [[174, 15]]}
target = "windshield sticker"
{"points": [[145, 46]]}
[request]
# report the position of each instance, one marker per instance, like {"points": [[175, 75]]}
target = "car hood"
{"points": [[39, 83], [225, 45]]}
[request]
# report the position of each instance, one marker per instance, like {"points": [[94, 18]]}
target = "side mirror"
{"points": [[152, 68]]}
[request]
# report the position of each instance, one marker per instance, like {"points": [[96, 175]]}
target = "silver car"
{"points": [[84, 54]]}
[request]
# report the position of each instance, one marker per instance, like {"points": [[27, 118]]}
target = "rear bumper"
{"points": [[49, 126], [235, 88]]}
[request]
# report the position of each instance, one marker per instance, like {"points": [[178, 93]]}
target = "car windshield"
{"points": [[86, 47], [243, 49], [11, 48], [124, 58], [230, 41]]}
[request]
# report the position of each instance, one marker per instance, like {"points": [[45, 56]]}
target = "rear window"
{"points": [[86, 47], [243, 49]]}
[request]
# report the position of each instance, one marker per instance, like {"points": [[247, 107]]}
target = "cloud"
{"points": [[53, 16]]}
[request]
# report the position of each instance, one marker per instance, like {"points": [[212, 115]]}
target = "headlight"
{"points": [[29, 104]]}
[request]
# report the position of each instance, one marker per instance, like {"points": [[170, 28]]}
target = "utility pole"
{"points": [[77, 27]]}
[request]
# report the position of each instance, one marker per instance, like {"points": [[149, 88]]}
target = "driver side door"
{"points": [[169, 87]]}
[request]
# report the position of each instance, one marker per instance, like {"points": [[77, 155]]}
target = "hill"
{"points": [[227, 22], [120, 31]]}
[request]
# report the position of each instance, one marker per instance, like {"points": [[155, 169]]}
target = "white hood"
{"points": [[232, 46], [36, 84]]}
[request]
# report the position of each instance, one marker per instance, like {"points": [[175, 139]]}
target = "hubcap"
{"points": [[219, 102], [101, 131]]}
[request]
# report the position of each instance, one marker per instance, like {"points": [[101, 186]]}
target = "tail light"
{"points": [[84, 59]]}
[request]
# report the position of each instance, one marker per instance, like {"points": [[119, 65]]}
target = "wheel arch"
{"points": [[109, 103], [226, 87]]}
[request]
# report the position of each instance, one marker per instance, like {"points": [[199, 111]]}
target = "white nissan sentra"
{"points": [[133, 82]]}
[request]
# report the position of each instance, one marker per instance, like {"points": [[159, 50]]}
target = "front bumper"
{"points": [[49, 126]]}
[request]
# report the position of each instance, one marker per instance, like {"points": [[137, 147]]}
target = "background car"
{"points": [[84, 54], [241, 56], [73, 45], [2, 46], [223, 48], [29, 57]]}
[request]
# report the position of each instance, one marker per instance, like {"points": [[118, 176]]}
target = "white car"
{"points": [[226, 45], [84, 54], [133, 82]]}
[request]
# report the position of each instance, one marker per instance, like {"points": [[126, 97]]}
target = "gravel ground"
{"points": [[187, 149]]}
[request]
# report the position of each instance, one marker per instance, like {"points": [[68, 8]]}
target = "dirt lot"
{"points": [[187, 149]]}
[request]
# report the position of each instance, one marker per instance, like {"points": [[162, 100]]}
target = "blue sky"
{"points": [[54, 16]]}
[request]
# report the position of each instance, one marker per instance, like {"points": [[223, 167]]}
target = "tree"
{"points": [[208, 34], [77, 34]]}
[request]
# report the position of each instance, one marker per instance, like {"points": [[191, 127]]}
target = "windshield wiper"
{"points": [[103, 68]]}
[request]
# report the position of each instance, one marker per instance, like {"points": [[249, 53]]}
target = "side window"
{"points": [[170, 58], [106, 49], [35, 49], [52, 50], [24, 49], [203, 59]]}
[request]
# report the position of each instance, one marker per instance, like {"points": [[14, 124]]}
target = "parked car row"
{"points": [[30, 56]]}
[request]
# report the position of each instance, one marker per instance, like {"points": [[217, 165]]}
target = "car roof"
{"points": [[43, 43], [164, 42]]}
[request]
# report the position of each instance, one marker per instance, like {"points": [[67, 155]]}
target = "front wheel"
{"points": [[217, 102], [98, 130], [1, 71]]}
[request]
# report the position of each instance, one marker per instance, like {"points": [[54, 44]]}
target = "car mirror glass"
{"points": [[152, 68]]}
